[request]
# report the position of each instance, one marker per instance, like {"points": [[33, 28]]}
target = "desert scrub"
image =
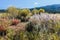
{"points": [[10, 34], [5, 22], [32, 31], [20, 35], [3, 26], [35, 11], [45, 25], [23, 14], [16, 35], [23, 35], [15, 21]]}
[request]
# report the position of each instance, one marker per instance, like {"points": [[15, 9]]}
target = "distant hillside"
{"points": [[2, 11], [50, 8]]}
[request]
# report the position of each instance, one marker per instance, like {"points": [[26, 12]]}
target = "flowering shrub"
{"points": [[39, 27], [5, 23], [45, 25], [15, 21], [2, 28]]}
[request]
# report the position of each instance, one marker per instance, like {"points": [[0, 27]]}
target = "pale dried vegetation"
{"points": [[39, 27]]}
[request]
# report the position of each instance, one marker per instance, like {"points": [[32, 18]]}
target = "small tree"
{"points": [[35, 11], [23, 13], [13, 11], [41, 10]]}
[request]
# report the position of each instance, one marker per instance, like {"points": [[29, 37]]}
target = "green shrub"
{"points": [[23, 14], [35, 11]]}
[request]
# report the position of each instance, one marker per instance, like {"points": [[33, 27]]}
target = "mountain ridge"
{"points": [[50, 8], [55, 8]]}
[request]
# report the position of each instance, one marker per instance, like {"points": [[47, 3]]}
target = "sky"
{"points": [[4, 4]]}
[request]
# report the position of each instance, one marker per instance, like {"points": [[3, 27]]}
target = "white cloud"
{"points": [[35, 3]]}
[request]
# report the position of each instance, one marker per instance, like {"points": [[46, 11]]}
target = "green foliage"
{"points": [[35, 11], [25, 12], [13, 11], [10, 34], [41, 10]]}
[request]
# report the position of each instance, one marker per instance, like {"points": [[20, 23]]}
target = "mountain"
{"points": [[50, 8], [2, 10], [55, 8]]}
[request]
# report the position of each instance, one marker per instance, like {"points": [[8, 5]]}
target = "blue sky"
{"points": [[26, 3]]}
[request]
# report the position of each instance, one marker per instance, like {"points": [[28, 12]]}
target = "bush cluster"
{"points": [[45, 26]]}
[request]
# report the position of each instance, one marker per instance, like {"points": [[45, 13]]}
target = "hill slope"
{"points": [[50, 8]]}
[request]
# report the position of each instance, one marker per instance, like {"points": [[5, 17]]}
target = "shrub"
{"points": [[13, 12], [2, 31], [35, 11], [41, 10], [10, 34], [3, 26], [45, 25], [15, 21], [23, 14]]}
